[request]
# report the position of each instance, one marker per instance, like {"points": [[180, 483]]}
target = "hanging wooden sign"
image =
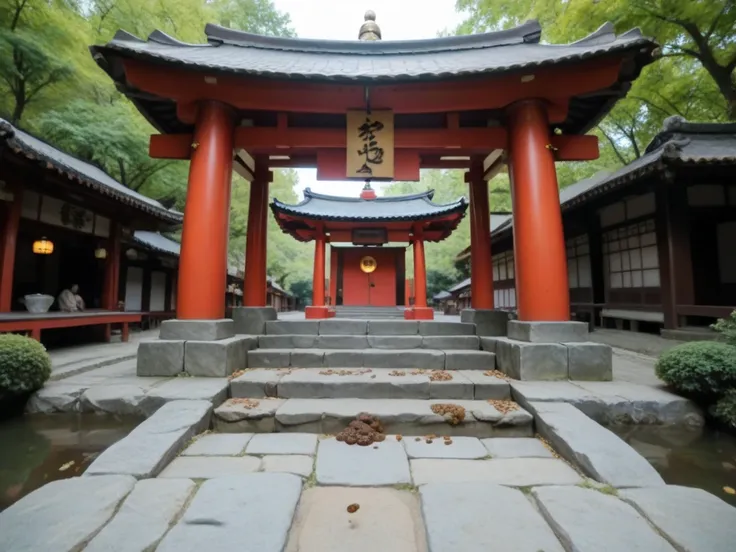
{"points": [[370, 144]]}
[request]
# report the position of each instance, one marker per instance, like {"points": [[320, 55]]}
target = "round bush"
{"points": [[725, 409], [24, 365], [702, 369]]}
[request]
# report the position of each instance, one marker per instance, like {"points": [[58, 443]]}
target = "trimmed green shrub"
{"points": [[24, 365], [725, 409], [727, 328], [704, 370]]}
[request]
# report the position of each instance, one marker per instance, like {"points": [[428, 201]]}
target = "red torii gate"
{"points": [[470, 102]]}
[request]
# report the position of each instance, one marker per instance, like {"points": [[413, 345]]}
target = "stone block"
{"points": [[510, 472], [469, 360], [531, 361], [283, 443], [261, 382], [459, 387], [287, 341], [253, 320], [393, 327], [459, 447], [292, 327], [499, 447], [288, 463], [144, 517], [212, 390], [430, 327], [121, 400], [269, 358], [449, 342], [547, 332], [515, 423], [307, 358], [337, 358], [342, 342], [200, 330], [487, 387], [488, 344], [315, 384], [151, 445], [238, 417], [383, 463], [218, 444], [209, 467], [689, 518], [216, 359], [56, 396], [62, 515], [481, 516], [487, 321], [228, 513], [160, 358], [407, 359], [395, 342], [590, 361], [598, 452], [343, 327]]}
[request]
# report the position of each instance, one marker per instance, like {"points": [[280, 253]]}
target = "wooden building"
{"points": [[651, 244]]}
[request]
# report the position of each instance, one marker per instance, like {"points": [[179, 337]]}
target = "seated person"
{"points": [[70, 300]]}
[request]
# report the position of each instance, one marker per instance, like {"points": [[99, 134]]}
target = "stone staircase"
{"points": [[369, 313]]}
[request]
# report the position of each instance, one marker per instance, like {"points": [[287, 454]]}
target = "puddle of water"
{"points": [[39, 449], [704, 459]]}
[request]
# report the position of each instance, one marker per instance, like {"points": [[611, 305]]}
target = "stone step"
{"points": [[401, 416], [431, 359], [346, 326], [445, 342], [364, 383]]}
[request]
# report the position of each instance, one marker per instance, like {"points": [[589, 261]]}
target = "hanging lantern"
{"points": [[131, 254], [43, 247], [100, 253]]}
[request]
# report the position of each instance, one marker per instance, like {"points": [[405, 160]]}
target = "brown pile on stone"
{"points": [[496, 374], [434, 375], [238, 373], [331, 372], [245, 403], [504, 407], [363, 431], [397, 373], [452, 413]]}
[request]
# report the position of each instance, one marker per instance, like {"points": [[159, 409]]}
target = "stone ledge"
{"points": [[160, 358], [198, 330], [217, 358], [547, 332], [252, 320], [488, 322]]}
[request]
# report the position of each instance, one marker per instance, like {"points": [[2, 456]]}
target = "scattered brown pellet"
{"points": [[448, 441], [397, 373], [399, 437], [453, 413], [353, 508], [496, 374], [245, 403], [504, 407], [429, 441], [417, 439]]}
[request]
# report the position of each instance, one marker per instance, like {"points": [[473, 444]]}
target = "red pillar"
{"points": [[318, 309], [420, 310], [112, 269], [255, 288], [481, 262], [8, 240], [539, 243]]}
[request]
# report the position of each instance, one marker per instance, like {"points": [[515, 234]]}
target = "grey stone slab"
{"points": [[338, 358], [213, 390], [381, 464], [218, 444], [236, 417], [253, 320], [287, 341], [160, 358], [587, 520], [209, 467], [488, 343], [393, 327], [487, 387], [445, 342], [689, 518], [590, 361], [62, 515], [260, 382], [481, 516], [144, 517], [487, 321], [458, 388], [343, 327], [362, 384], [292, 327], [342, 341], [228, 513], [511, 472], [404, 358], [597, 451], [216, 359], [151, 445], [500, 447], [431, 327], [469, 360], [283, 443], [200, 330], [486, 412], [547, 332], [458, 447], [269, 358], [121, 400], [60, 396], [531, 361], [395, 341], [307, 358], [288, 463]]}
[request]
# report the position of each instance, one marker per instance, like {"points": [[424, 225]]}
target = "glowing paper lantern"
{"points": [[43, 247]]}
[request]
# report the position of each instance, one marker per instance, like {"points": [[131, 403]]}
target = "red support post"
{"points": [[255, 287], [420, 310], [203, 260], [318, 309], [112, 269], [481, 261], [539, 242], [8, 240]]}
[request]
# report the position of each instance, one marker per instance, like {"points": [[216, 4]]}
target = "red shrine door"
{"points": [[377, 288]]}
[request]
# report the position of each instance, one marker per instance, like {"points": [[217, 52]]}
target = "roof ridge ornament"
{"points": [[370, 29], [368, 192]]}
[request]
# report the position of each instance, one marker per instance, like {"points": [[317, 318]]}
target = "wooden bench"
{"points": [[34, 323]]}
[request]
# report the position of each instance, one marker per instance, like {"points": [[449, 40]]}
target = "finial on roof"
{"points": [[370, 29], [367, 192]]}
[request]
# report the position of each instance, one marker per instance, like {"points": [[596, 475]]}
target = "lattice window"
{"points": [[578, 262], [503, 266], [630, 256]]}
